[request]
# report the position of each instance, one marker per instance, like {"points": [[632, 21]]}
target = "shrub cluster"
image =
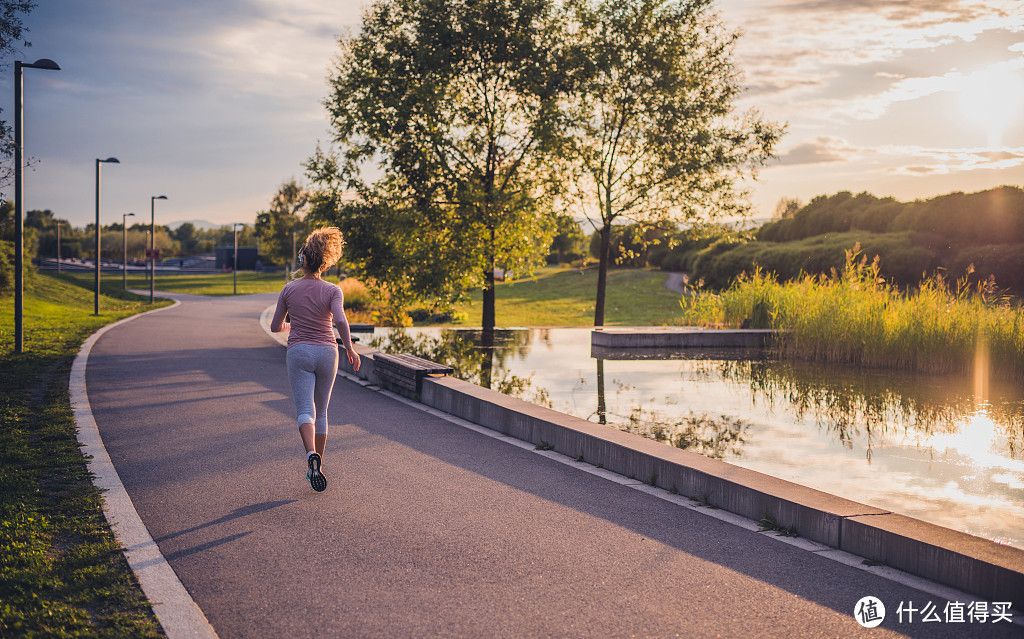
{"points": [[945, 235], [995, 216]]}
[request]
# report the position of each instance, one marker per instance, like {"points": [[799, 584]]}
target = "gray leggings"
{"points": [[312, 369]]}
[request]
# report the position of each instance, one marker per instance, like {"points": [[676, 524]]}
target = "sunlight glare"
{"points": [[992, 98], [974, 439]]}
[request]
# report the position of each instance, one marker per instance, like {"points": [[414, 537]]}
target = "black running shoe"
{"points": [[316, 478]]}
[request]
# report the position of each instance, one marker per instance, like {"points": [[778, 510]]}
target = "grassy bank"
{"points": [[561, 296], [855, 317], [61, 571]]}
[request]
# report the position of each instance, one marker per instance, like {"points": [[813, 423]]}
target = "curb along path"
{"points": [[174, 608]]}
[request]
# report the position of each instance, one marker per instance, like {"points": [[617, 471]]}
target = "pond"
{"points": [[947, 450]]}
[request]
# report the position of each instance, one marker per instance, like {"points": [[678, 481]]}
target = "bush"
{"points": [[1003, 262], [357, 296], [903, 261], [988, 217], [6, 267], [630, 244]]}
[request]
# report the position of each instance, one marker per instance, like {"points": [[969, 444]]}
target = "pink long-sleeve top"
{"points": [[312, 305]]}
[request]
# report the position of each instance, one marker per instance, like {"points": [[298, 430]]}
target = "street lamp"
{"points": [[58, 247], [19, 204], [234, 266], [124, 249], [152, 241], [96, 296], [294, 257]]}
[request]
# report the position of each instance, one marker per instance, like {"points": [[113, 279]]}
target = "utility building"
{"points": [[246, 257]]}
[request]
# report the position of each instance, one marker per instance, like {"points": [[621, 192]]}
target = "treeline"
{"points": [[41, 232], [948, 234]]}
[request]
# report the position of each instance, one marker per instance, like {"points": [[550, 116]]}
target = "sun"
{"points": [[992, 98]]}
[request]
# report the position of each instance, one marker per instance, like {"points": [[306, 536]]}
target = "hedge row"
{"points": [[995, 216], [904, 258]]}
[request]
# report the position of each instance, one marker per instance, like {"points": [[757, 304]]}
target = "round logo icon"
{"points": [[869, 611]]}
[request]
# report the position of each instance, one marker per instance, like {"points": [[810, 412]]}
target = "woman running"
{"points": [[312, 304]]}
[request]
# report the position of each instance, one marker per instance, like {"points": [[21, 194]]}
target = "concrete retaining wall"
{"points": [[680, 337], [965, 562]]}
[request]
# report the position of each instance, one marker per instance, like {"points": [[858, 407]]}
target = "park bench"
{"points": [[404, 374]]}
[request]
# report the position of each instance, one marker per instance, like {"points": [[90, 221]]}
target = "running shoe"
{"points": [[315, 477]]}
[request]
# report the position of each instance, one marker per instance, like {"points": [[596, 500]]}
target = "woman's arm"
{"points": [[278, 325], [341, 321]]}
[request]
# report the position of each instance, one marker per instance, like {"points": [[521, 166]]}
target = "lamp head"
{"points": [[44, 63], [159, 197], [109, 160], [129, 215]]}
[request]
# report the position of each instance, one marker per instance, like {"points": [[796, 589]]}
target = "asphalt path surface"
{"points": [[426, 529]]}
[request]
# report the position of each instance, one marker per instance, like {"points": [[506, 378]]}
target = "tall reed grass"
{"points": [[855, 317]]}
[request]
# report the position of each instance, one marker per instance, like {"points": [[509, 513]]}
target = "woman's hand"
{"points": [[353, 358]]}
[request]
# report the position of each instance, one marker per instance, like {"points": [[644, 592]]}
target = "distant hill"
{"points": [[995, 216], [973, 235], [199, 224]]}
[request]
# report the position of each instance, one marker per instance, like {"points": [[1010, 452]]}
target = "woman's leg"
{"points": [[326, 373], [308, 439], [302, 373]]}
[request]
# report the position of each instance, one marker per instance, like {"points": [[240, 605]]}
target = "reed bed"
{"points": [[855, 317]]}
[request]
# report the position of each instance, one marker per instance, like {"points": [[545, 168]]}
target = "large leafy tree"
{"points": [[654, 136], [12, 31], [275, 226], [403, 248], [455, 102]]}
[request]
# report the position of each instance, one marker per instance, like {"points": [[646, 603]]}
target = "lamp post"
{"points": [[124, 249], [152, 243], [58, 247], [96, 294], [19, 204], [234, 265]]}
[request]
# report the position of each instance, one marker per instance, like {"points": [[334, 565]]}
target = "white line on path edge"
{"points": [[177, 613], [840, 556]]}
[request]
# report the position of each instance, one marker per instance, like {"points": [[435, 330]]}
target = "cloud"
{"points": [[872, 107], [819, 150], [948, 161], [822, 40]]}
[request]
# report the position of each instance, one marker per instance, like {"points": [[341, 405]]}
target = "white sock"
{"points": [[310, 452]]}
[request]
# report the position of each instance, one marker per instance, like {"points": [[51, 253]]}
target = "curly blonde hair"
{"points": [[322, 249]]}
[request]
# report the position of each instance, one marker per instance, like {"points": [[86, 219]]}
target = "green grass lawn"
{"points": [[215, 284], [562, 296], [62, 573], [555, 296]]}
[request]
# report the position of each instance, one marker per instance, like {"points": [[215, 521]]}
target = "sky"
{"points": [[215, 104]]}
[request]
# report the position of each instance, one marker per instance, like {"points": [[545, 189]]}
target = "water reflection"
{"points": [[476, 356], [864, 405]]}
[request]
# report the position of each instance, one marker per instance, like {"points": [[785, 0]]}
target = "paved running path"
{"points": [[426, 529]]}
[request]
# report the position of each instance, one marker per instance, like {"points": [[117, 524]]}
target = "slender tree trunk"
{"points": [[602, 272], [487, 363], [488, 310]]}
